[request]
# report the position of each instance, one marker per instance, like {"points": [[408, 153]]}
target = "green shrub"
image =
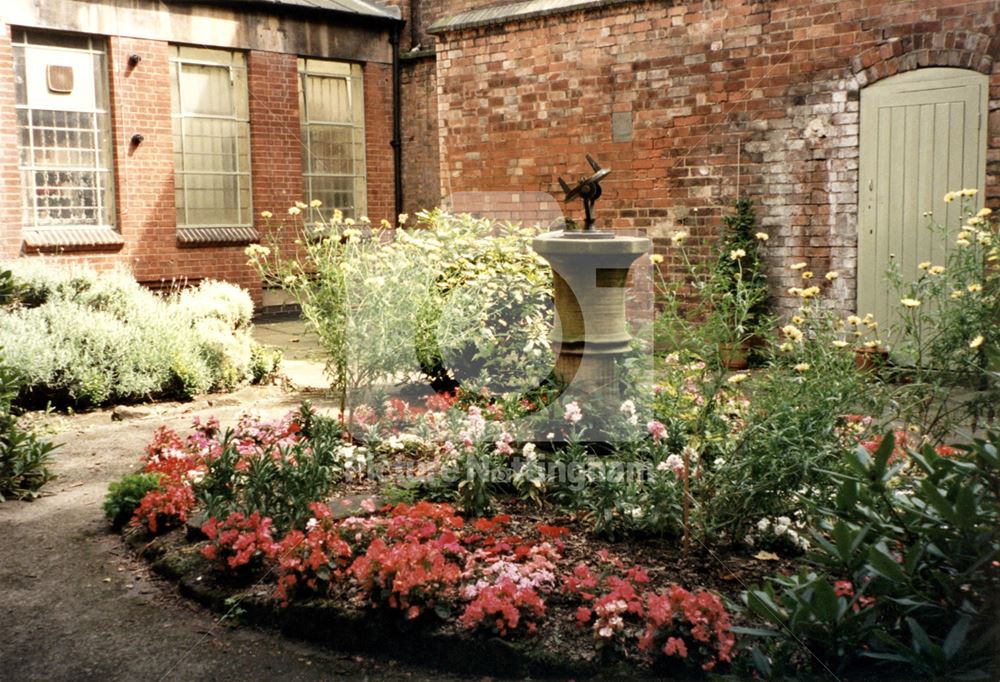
{"points": [[265, 362], [125, 495], [83, 338], [905, 570], [458, 298], [23, 456]]}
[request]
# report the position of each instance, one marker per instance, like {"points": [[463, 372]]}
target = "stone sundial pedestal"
{"points": [[589, 286], [590, 275]]}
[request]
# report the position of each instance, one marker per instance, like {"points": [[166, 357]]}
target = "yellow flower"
{"points": [[786, 347], [969, 192], [950, 197], [975, 287], [299, 205], [385, 224], [958, 293], [678, 237], [338, 215], [794, 291], [807, 274], [294, 210], [762, 236], [964, 234], [910, 302], [832, 275], [736, 254], [315, 203], [266, 214], [984, 238], [798, 319], [656, 259], [962, 242], [853, 319], [798, 266], [936, 269], [792, 332], [351, 234], [809, 292], [257, 251], [802, 367], [871, 344], [976, 342], [924, 265], [840, 344], [289, 279], [403, 217], [983, 212], [365, 220], [737, 378]]}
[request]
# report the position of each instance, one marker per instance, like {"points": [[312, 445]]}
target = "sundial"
{"points": [[589, 190]]}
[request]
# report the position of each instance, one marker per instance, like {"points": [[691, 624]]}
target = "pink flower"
{"points": [[657, 430], [675, 645], [573, 413]]}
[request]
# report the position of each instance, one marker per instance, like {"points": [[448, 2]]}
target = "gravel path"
{"points": [[76, 606]]}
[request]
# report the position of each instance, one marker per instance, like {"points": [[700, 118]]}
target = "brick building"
{"points": [[845, 121], [153, 133]]}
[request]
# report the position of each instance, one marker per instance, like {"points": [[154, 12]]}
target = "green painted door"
{"points": [[923, 134]]}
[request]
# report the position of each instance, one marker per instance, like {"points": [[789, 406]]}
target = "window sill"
{"points": [[72, 239], [215, 236]]}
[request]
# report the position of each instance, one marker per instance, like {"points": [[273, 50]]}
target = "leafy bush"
{"points": [[84, 338], [906, 568], [265, 362], [946, 338], [459, 298], [125, 495], [23, 456]]}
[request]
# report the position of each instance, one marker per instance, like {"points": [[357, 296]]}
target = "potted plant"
{"points": [[738, 287]]}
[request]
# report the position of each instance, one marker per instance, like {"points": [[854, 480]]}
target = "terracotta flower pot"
{"points": [[870, 359], [734, 355]]}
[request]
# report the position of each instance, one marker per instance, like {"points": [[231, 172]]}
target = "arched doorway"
{"points": [[922, 134]]}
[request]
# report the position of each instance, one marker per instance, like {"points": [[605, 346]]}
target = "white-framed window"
{"points": [[331, 106], [211, 137], [63, 130]]}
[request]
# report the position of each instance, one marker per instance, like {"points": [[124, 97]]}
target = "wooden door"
{"points": [[923, 134]]}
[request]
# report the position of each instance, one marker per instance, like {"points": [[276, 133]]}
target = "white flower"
{"points": [[784, 520], [572, 413], [762, 236], [311, 523], [780, 529], [763, 524], [529, 451]]}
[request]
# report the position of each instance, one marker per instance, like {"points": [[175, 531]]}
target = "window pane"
{"points": [[327, 100], [332, 113], [205, 90], [211, 138], [63, 137]]}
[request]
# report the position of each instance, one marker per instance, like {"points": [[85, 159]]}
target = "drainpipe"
{"points": [[397, 132]]}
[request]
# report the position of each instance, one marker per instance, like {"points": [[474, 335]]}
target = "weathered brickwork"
{"points": [[760, 98], [378, 141], [10, 179], [421, 170]]}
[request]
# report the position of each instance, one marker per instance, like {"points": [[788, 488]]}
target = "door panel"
{"points": [[923, 134]]}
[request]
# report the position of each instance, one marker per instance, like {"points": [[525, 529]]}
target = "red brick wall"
{"points": [[10, 178], [780, 81], [421, 168], [378, 137]]}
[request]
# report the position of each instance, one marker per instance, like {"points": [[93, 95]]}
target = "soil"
{"points": [[76, 604]]}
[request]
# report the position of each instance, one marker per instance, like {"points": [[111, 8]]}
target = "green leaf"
{"points": [[941, 505], [956, 637], [825, 601], [884, 565]]}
